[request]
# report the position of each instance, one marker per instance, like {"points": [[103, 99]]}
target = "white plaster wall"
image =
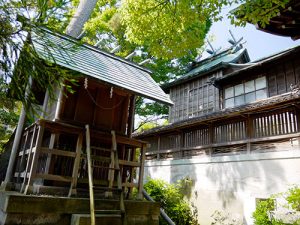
{"points": [[231, 183]]}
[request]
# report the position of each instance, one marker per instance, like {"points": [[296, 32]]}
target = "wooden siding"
{"points": [[282, 76], [109, 113], [195, 98]]}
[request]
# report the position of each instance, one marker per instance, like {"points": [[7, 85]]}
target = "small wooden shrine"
{"points": [[89, 129]]}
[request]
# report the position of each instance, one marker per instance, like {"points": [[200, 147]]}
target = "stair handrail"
{"points": [[162, 212]]}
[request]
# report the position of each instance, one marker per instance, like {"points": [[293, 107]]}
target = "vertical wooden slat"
{"points": [[158, 146], [35, 156], [19, 169]]}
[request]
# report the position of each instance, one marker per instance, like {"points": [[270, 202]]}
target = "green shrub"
{"points": [[263, 208], [293, 198], [172, 201]]}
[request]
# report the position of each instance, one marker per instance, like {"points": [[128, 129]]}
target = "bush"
{"points": [[172, 201], [293, 198], [263, 208]]}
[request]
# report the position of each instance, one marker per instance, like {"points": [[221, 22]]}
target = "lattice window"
{"points": [[245, 92]]}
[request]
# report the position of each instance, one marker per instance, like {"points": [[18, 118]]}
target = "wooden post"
{"points": [[9, 172], [45, 104], [59, 103], [131, 116], [35, 158], [76, 166], [90, 174], [111, 173], [141, 172]]}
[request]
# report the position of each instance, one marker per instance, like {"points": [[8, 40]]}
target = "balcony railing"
{"points": [[264, 131]]}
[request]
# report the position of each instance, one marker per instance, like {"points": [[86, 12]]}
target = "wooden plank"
{"points": [[58, 152], [130, 185], [53, 177], [129, 163], [101, 149], [60, 127], [98, 158]]}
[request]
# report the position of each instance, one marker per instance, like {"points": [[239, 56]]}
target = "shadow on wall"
{"points": [[175, 173], [251, 176]]}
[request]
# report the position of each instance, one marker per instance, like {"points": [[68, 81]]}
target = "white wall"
{"points": [[231, 183]]}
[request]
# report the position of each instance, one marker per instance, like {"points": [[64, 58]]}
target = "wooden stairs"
{"points": [[103, 216]]}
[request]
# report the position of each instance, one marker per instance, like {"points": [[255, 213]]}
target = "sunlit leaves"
{"points": [[256, 12], [169, 28]]}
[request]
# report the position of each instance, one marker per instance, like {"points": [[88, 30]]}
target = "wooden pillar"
{"points": [[59, 103], [45, 104], [131, 116], [9, 172], [141, 171]]}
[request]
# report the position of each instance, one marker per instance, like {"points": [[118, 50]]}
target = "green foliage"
{"points": [[172, 201], [264, 208], [260, 215], [170, 28], [18, 59], [9, 112], [257, 12], [293, 197]]}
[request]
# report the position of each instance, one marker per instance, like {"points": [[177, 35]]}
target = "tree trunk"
{"points": [[82, 14]]}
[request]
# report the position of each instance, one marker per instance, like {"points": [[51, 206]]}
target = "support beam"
{"points": [[59, 103], [9, 172]]}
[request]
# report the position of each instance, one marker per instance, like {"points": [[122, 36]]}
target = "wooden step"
{"points": [[103, 219], [108, 212]]}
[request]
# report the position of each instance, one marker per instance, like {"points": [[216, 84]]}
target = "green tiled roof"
{"points": [[209, 65], [89, 60]]}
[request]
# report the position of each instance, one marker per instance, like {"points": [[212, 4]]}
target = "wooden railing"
{"points": [[239, 135], [52, 157]]}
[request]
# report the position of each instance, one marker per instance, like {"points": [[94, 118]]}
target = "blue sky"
{"points": [[258, 43]]}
